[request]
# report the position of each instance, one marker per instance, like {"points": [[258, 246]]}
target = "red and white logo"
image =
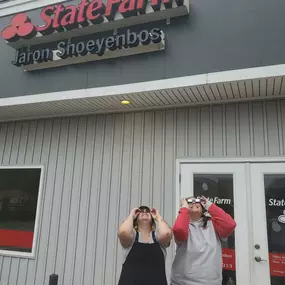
{"points": [[60, 18], [20, 27]]}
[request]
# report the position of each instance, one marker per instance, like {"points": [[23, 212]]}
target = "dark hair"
{"points": [[135, 222], [205, 220]]}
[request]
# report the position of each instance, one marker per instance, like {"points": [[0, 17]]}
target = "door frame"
{"points": [[203, 160], [228, 160], [261, 236]]}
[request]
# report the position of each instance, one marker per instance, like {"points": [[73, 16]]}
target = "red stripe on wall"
{"points": [[21, 239]]}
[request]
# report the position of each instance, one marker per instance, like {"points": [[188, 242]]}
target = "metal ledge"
{"points": [[176, 97], [223, 87]]}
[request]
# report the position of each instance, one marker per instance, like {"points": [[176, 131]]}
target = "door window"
{"points": [[225, 184], [275, 214], [219, 189], [19, 191]]}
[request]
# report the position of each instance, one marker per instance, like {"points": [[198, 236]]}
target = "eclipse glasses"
{"points": [[145, 209]]}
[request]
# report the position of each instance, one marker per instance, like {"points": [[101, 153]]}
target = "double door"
{"points": [[254, 194]]}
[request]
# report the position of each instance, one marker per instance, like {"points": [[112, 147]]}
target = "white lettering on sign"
{"points": [[227, 255], [276, 202], [220, 201]]}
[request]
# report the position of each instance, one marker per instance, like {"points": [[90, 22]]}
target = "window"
{"points": [[19, 203], [275, 214], [10, 7], [220, 190]]}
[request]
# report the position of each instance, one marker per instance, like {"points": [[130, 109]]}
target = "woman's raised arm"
{"points": [[126, 231]]}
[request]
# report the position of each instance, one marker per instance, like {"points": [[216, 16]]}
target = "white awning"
{"points": [[213, 88]]}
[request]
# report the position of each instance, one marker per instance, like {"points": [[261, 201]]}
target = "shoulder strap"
{"points": [[137, 237], [153, 236]]}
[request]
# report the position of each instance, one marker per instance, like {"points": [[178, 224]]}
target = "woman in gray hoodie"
{"points": [[198, 259]]}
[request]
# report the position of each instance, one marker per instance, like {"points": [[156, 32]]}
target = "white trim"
{"points": [[20, 166], [32, 254], [267, 159], [17, 6], [178, 188], [39, 209], [178, 82], [249, 222], [153, 108]]}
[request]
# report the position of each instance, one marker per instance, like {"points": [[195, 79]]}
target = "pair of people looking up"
{"points": [[198, 230]]}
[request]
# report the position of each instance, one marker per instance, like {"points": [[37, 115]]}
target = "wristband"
{"points": [[184, 207]]}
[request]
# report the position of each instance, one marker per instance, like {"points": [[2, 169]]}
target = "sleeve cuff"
{"points": [[208, 205], [183, 209]]}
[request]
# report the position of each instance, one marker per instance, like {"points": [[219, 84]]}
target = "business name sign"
{"points": [[73, 51], [64, 23]]}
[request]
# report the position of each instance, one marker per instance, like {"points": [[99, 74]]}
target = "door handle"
{"points": [[259, 259]]}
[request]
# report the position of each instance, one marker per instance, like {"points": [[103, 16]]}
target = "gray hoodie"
{"points": [[198, 259]]}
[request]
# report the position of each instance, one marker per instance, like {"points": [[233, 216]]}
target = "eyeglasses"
{"points": [[143, 210], [193, 200]]}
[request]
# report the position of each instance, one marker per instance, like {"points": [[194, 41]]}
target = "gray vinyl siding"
{"points": [[98, 167]]}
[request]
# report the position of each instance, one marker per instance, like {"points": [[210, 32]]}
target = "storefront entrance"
{"points": [[253, 192]]}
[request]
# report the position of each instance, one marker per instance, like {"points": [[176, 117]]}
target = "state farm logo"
{"points": [[60, 18], [20, 27]]}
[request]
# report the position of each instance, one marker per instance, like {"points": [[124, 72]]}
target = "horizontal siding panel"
{"points": [[97, 168]]}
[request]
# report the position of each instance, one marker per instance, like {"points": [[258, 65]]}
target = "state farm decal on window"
{"points": [[276, 202], [220, 201], [275, 220], [277, 264], [63, 24]]}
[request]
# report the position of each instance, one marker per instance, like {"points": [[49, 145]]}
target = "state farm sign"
{"points": [[65, 29], [62, 22]]}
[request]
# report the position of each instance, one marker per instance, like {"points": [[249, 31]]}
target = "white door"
{"points": [[254, 193], [268, 220], [226, 184]]}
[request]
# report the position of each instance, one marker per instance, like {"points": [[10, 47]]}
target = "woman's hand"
{"points": [[204, 201], [155, 214], [163, 231], [134, 213], [183, 203]]}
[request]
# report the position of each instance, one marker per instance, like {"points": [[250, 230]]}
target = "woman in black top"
{"points": [[144, 236]]}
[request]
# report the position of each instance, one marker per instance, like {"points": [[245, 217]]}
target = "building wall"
{"points": [[98, 167], [217, 36]]}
